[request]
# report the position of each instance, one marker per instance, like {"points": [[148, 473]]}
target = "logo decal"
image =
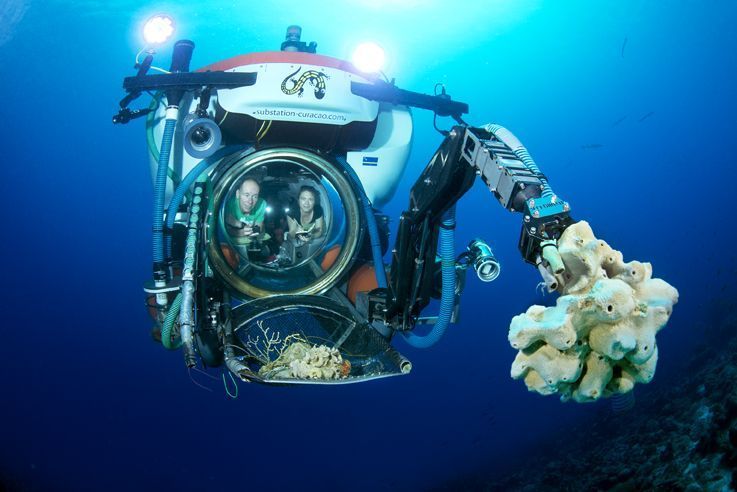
{"points": [[370, 161], [315, 78]]}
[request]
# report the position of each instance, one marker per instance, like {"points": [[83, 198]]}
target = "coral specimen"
{"points": [[599, 338], [293, 357], [269, 344], [300, 360]]}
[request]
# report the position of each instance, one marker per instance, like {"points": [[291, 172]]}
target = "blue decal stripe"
{"points": [[370, 161]]}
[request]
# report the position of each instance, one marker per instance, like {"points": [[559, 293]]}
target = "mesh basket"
{"points": [[311, 340]]}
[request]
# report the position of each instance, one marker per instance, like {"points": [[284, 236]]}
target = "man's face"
{"points": [[247, 195]]}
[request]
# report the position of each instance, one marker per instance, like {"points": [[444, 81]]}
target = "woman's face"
{"points": [[306, 201]]}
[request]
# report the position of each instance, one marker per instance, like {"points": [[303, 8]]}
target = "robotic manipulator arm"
{"points": [[493, 154]]}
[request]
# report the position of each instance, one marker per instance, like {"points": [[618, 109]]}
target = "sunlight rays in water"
{"points": [[11, 13]]}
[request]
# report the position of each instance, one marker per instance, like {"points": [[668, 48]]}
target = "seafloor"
{"points": [[680, 436]]}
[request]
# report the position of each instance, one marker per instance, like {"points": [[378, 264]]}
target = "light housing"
{"points": [[158, 29], [369, 57]]}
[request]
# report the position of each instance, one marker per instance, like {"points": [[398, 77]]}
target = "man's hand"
{"points": [[249, 229]]}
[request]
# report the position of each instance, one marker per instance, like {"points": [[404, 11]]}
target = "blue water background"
{"points": [[89, 402]]}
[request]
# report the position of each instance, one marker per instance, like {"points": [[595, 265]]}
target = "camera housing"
{"points": [[202, 136]]}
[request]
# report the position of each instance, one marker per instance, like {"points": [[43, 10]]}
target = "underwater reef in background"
{"points": [[683, 436]]}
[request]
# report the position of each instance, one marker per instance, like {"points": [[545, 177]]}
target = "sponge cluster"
{"points": [[599, 338]]}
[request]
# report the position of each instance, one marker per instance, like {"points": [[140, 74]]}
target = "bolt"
{"points": [[554, 199], [531, 203], [536, 214], [453, 133], [527, 218], [533, 230], [427, 181], [566, 207]]}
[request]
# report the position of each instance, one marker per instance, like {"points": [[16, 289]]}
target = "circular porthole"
{"points": [[284, 221]]}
